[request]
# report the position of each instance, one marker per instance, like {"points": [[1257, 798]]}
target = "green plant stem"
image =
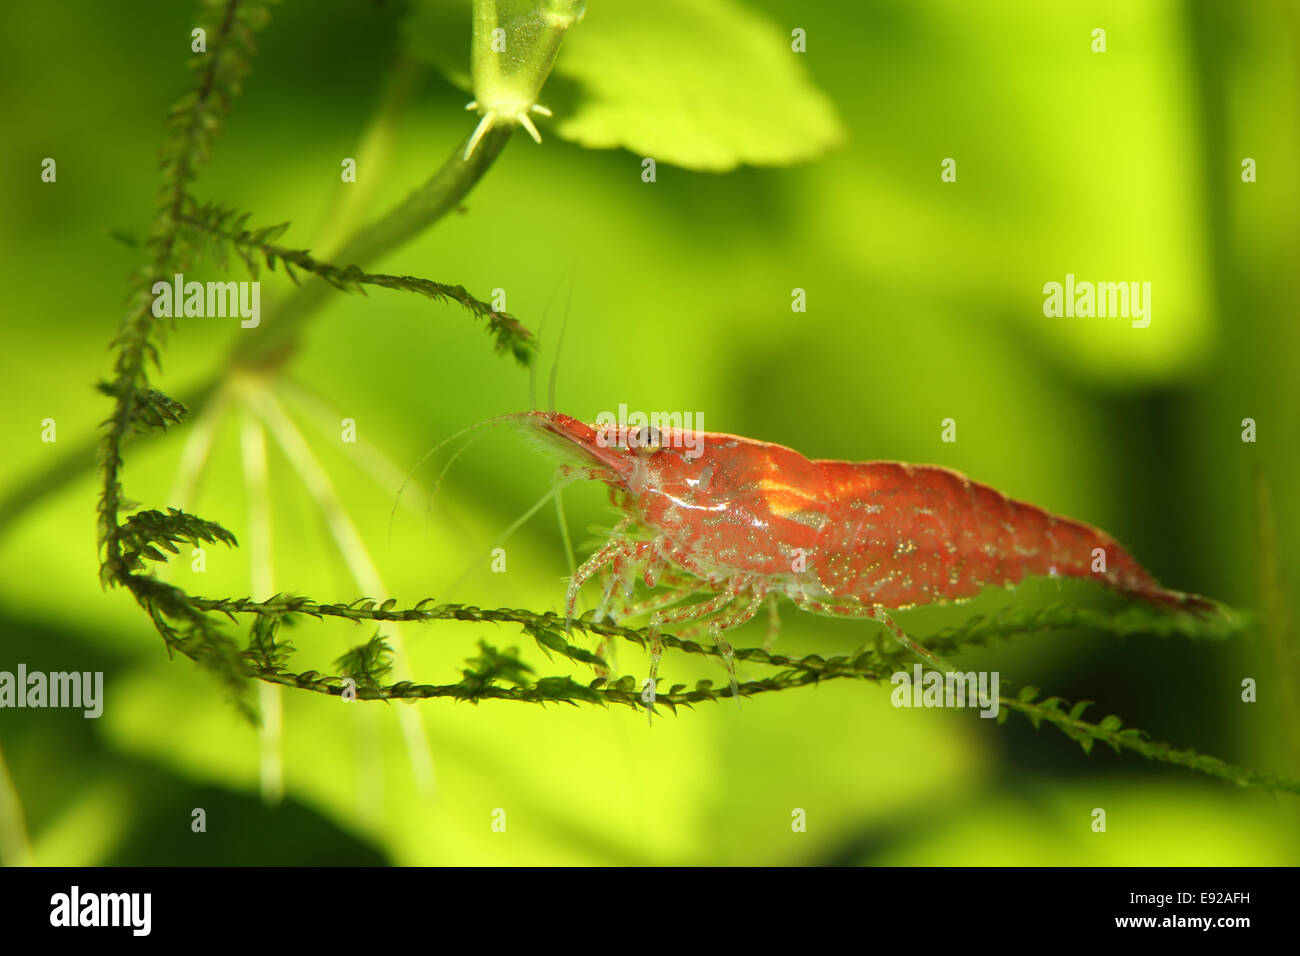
{"points": [[498, 682], [191, 126], [1086, 733], [278, 340], [270, 708]]}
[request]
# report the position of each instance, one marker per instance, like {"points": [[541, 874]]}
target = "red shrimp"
{"points": [[741, 521]]}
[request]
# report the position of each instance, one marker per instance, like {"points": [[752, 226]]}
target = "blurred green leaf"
{"points": [[703, 84]]}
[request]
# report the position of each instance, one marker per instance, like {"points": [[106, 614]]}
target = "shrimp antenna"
{"points": [[504, 535], [532, 366], [469, 430], [564, 531], [559, 345]]}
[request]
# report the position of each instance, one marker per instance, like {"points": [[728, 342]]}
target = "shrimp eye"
{"points": [[605, 436], [644, 441]]}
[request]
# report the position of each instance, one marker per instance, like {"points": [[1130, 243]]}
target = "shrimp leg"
{"points": [[618, 584], [725, 622], [643, 563], [616, 548], [773, 622], [716, 623], [692, 612], [647, 606], [658, 602]]}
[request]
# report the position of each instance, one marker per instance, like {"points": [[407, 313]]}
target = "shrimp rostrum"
{"points": [[732, 523]]}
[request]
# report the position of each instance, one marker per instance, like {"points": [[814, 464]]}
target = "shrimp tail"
{"points": [[920, 533], [1175, 600]]}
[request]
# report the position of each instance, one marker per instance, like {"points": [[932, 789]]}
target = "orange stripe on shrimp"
{"points": [[741, 521]]}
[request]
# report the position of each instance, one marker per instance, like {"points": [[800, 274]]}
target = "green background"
{"points": [[924, 303]]}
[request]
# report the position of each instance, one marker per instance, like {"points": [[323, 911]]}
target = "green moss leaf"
{"points": [[368, 664]]}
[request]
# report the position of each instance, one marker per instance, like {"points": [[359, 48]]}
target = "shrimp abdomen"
{"points": [[900, 534]]}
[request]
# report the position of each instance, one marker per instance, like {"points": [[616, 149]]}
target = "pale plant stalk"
{"points": [[370, 783], [360, 564], [381, 469], [252, 442], [197, 450]]}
